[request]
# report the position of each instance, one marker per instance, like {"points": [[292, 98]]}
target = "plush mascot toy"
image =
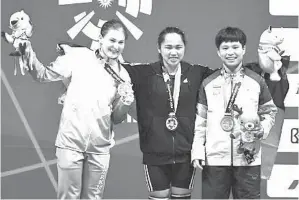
{"points": [[278, 90], [22, 29], [250, 133], [270, 54]]}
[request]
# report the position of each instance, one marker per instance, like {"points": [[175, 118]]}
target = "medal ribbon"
{"points": [[108, 68], [233, 97], [114, 75], [173, 99]]}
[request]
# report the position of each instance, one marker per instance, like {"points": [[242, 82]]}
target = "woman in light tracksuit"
{"points": [[92, 104], [217, 140]]}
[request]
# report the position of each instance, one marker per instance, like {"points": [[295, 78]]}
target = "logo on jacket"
{"points": [[216, 89]]}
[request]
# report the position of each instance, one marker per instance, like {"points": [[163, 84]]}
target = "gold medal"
{"points": [[171, 122]]}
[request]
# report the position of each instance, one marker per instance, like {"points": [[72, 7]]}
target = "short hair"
{"points": [[169, 30], [230, 34], [113, 24]]}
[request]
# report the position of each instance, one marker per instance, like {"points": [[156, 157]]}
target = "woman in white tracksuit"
{"points": [[92, 104]]}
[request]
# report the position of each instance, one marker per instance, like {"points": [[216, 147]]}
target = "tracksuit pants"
{"points": [[219, 181], [81, 175]]}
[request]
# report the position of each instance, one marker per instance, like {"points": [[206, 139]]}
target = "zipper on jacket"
{"points": [[173, 151], [87, 143], [232, 152]]}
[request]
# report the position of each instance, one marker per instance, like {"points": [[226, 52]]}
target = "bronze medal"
{"points": [[227, 123]]}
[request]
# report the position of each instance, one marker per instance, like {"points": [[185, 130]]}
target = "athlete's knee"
{"points": [[180, 193], [161, 194]]}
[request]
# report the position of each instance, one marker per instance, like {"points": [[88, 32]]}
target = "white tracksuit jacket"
{"points": [[211, 143], [91, 104]]}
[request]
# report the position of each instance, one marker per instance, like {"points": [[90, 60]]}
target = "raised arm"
{"points": [[58, 70], [278, 89]]}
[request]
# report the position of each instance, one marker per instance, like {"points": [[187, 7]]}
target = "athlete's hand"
{"points": [[197, 164], [259, 133]]}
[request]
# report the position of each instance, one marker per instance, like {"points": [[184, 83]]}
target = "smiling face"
{"points": [[231, 54], [113, 43], [172, 50]]}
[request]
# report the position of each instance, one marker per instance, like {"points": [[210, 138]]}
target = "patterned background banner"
{"points": [[30, 113]]}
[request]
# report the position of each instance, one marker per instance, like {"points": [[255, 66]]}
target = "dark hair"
{"points": [[230, 34], [168, 30], [113, 24]]}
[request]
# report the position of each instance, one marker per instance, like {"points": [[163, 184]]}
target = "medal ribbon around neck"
{"points": [[124, 89], [232, 98], [173, 99], [114, 75], [109, 69], [227, 122]]}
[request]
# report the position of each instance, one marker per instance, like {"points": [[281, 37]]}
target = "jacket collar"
{"points": [[227, 74], [157, 68]]}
